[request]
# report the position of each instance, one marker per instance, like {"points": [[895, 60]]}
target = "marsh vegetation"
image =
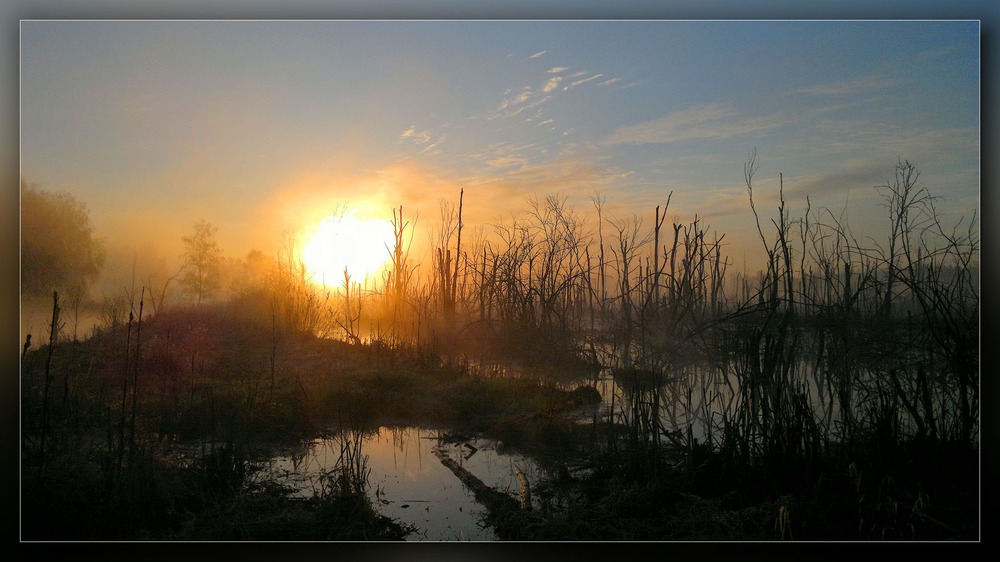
{"points": [[832, 395]]}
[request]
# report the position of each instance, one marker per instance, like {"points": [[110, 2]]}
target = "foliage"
{"points": [[58, 248]]}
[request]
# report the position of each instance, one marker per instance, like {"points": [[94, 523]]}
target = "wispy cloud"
{"points": [[849, 87], [506, 161], [429, 144], [417, 136], [575, 176], [506, 154], [526, 99], [611, 81], [841, 139], [536, 55], [937, 53], [584, 81], [724, 202], [433, 148], [702, 122], [530, 97], [511, 103], [853, 176]]}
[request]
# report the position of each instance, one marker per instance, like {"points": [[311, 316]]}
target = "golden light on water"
{"points": [[338, 242]]}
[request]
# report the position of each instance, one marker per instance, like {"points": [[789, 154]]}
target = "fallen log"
{"points": [[493, 500]]}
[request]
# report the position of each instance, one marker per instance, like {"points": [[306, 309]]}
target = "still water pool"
{"points": [[408, 482]]}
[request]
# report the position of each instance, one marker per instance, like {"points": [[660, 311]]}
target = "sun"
{"points": [[338, 242]]}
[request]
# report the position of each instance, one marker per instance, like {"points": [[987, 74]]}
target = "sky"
{"points": [[266, 127]]}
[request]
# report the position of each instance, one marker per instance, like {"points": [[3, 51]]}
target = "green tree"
{"points": [[58, 248], [202, 261]]}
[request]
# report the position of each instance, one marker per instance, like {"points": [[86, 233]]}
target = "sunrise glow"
{"points": [[339, 242]]}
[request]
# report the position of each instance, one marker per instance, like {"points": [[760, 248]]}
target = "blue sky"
{"points": [[261, 127]]}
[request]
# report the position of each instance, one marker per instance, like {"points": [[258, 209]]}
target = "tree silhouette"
{"points": [[58, 247], [202, 258]]}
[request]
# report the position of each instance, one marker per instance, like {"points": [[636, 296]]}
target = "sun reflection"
{"points": [[338, 242]]}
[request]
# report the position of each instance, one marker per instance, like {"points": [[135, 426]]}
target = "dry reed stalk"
{"points": [[525, 488], [53, 336]]}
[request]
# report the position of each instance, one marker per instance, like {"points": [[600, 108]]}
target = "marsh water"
{"points": [[408, 482]]}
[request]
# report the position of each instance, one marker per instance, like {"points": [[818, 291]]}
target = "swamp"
{"points": [[556, 381]]}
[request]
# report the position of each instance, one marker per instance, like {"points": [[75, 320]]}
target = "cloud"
{"points": [[523, 96], [512, 107], [505, 154], [610, 81], [506, 161], [726, 202], [940, 153], [424, 138], [858, 176], [552, 84], [536, 55], [584, 81], [932, 54], [519, 99], [529, 97], [432, 149], [849, 87], [411, 133], [578, 174], [701, 122], [846, 139]]}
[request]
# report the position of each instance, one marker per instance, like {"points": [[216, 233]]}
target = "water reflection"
{"points": [[407, 482]]}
